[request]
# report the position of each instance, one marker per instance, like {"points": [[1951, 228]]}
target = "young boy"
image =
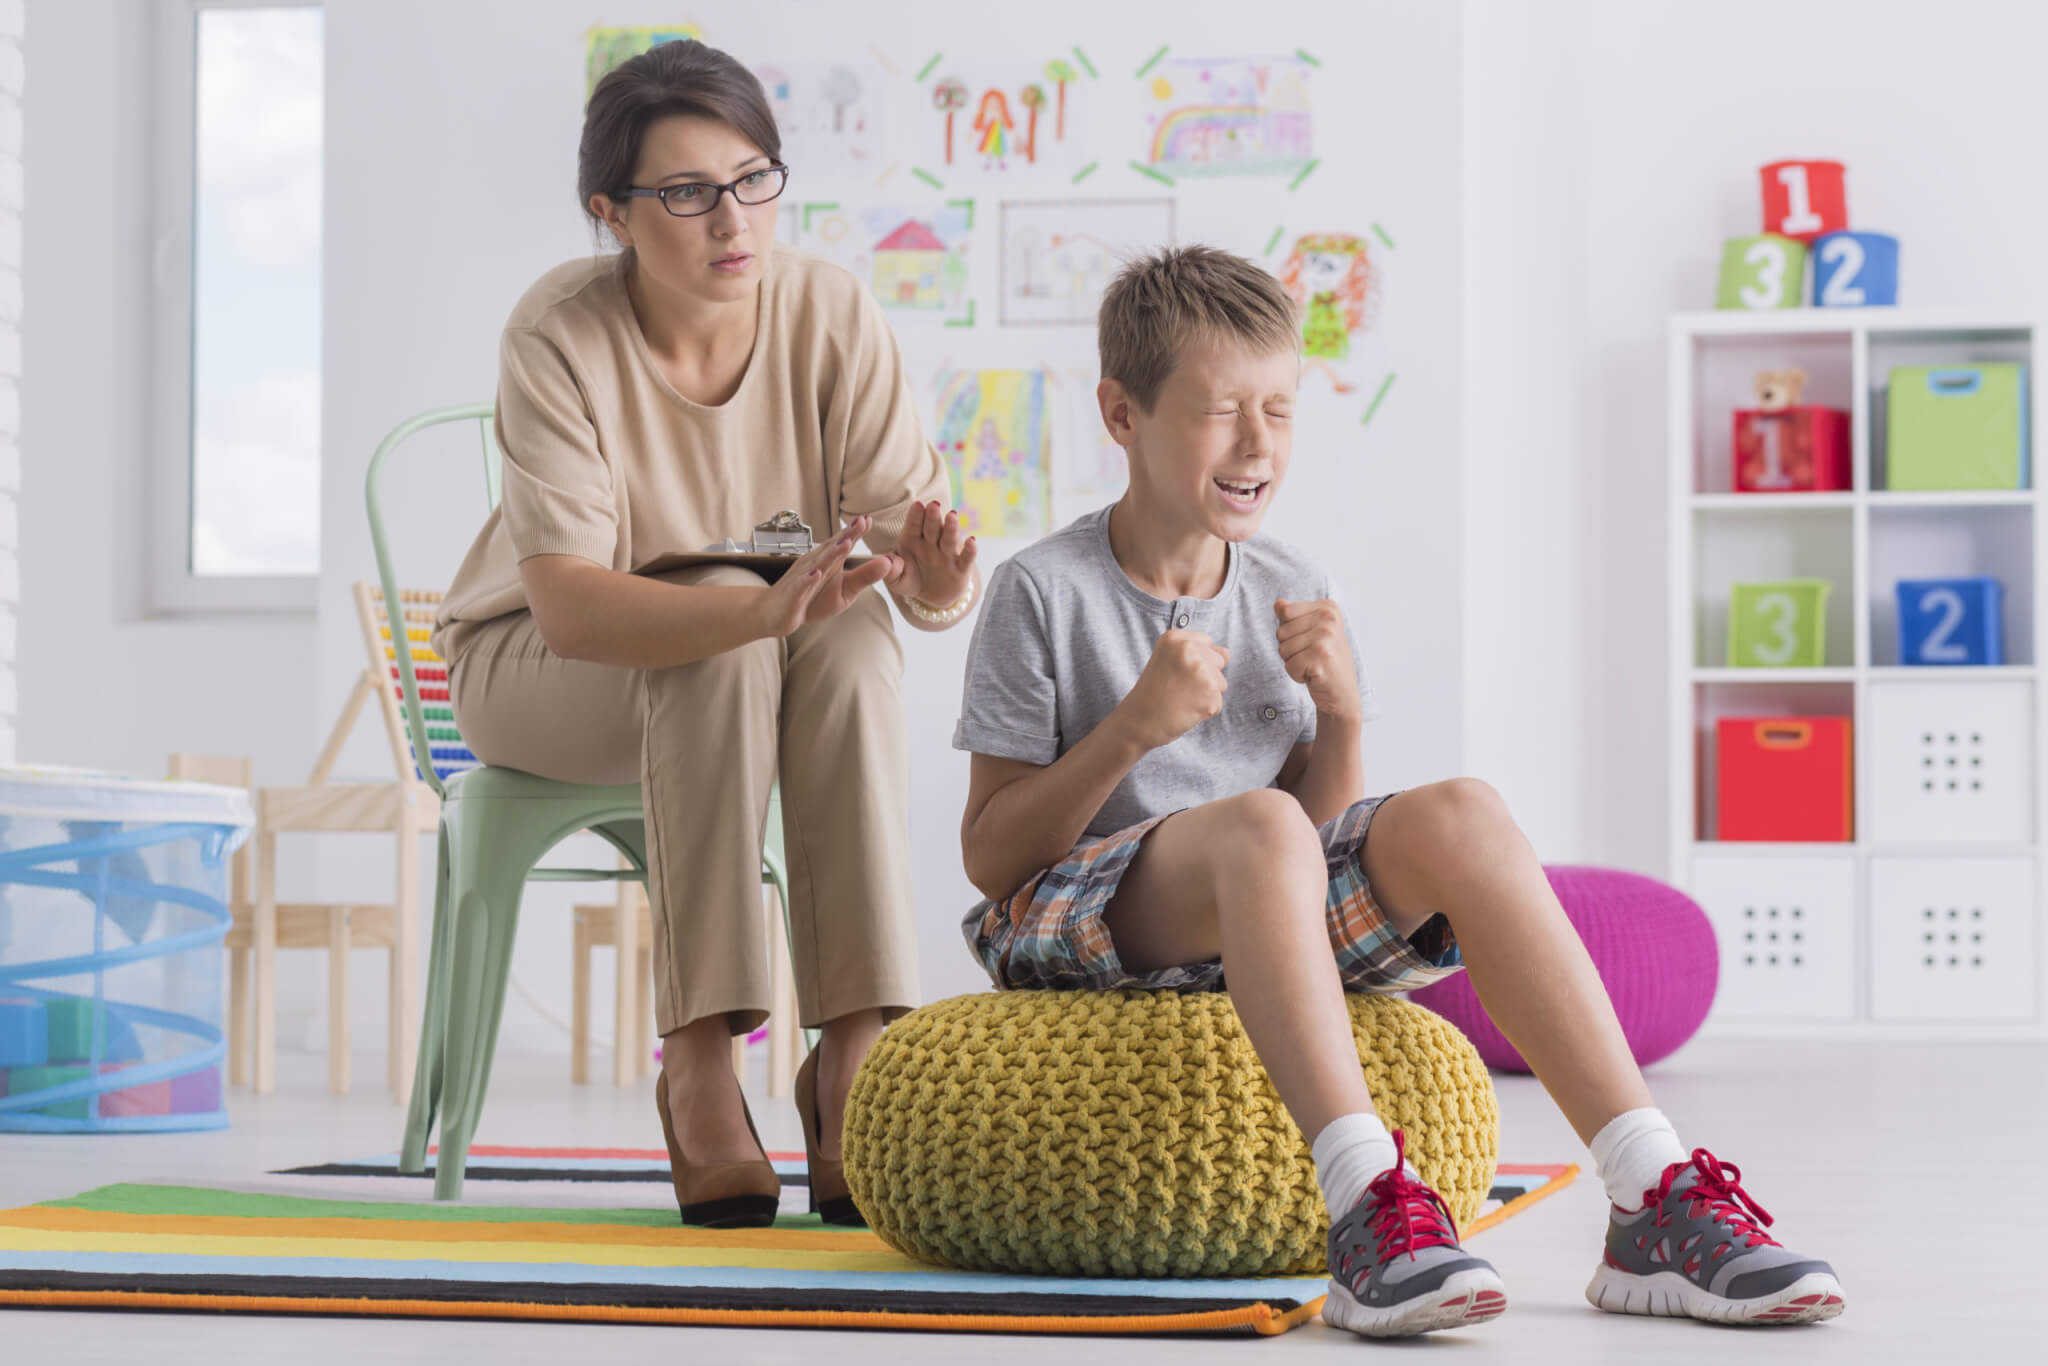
{"points": [[1164, 711]]}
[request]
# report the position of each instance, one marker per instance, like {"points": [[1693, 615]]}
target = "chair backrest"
{"points": [[445, 746], [420, 736]]}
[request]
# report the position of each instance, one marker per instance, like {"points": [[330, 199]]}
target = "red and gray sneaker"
{"points": [[1698, 1249], [1395, 1265]]}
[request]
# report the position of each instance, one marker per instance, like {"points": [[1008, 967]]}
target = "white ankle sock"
{"points": [[1349, 1152], [1631, 1152]]}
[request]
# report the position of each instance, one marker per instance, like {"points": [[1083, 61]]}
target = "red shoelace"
{"points": [[1718, 1190], [1411, 1216]]}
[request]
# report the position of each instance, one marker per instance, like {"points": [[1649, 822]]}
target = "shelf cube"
{"points": [[1804, 199], [1950, 759], [1786, 927], [24, 1034], [1787, 779], [1762, 273], [1951, 621], [1781, 625], [1801, 449], [1957, 427], [1855, 270], [1952, 939]]}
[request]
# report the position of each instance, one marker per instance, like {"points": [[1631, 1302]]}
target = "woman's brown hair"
{"points": [[682, 77]]}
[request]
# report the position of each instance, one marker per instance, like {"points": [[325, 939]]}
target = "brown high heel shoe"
{"points": [[830, 1198], [719, 1194]]}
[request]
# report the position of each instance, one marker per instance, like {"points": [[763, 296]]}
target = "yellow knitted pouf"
{"points": [[1133, 1133]]}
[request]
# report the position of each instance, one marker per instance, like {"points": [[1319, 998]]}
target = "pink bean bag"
{"points": [[1654, 948]]}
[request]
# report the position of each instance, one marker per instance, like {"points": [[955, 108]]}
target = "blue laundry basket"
{"points": [[113, 911]]}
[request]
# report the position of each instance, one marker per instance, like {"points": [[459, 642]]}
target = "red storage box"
{"points": [[1785, 778], [1802, 449]]}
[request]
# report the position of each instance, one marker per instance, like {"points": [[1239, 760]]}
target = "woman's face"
{"points": [[716, 256]]}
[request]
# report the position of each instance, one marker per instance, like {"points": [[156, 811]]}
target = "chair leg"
{"points": [[784, 1055], [337, 1001], [643, 1029], [401, 1042], [427, 1073], [626, 1000], [264, 1034], [238, 1016], [486, 882], [579, 1000]]}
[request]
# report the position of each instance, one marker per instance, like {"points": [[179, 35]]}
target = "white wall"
{"points": [[12, 70], [430, 106], [1609, 147]]}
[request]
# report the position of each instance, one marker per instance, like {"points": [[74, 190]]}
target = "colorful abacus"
{"points": [[445, 747]]}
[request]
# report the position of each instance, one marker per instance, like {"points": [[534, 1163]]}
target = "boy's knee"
{"points": [[1270, 828], [1459, 810]]}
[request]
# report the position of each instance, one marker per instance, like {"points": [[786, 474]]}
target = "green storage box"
{"points": [[1781, 625], [1957, 427]]}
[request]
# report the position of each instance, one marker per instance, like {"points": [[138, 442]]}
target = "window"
{"points": [[236, 522]]}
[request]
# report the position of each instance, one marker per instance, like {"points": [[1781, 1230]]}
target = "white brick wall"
{"points": [[11, 18]]}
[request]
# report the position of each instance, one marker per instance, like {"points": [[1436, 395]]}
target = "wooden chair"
{"points": [[596, 926]]}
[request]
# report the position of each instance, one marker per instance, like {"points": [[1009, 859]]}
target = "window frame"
{"points": [[171, 587]]}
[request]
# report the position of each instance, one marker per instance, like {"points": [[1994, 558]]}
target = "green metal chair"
{"points": [[496, 825]]}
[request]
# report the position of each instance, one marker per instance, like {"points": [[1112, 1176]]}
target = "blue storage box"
{"points": [[113, 912], [1951, 621], [24, 1034]]}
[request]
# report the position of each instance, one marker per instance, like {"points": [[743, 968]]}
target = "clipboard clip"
{"points": [[783, 534]]}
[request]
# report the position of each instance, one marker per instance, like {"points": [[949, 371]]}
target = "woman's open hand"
{"points": [[818, 586], [934, 559]]}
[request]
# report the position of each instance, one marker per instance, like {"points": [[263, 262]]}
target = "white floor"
{"points": [[1916, 1169]]}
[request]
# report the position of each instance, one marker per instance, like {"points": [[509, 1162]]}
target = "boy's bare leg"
{"points": [[1244, 879], [1453, 848]]}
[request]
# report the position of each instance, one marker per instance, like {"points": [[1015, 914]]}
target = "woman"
{"points": [[661, 400]]}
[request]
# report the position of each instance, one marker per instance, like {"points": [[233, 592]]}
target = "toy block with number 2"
{"points": [[1762, 273], [1779, 625], [1951, 621], [1804, 199], [1855, 270]]}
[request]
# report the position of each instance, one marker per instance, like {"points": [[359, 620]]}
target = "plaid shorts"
{"points": [[1049, 934]]}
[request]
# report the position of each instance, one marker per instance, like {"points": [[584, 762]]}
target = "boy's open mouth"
{"points": [[1241, 492]]}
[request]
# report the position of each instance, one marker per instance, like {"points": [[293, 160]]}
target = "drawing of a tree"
{"points": [[949, 97], [1033, 97], [842, 88], [1059, 73]]}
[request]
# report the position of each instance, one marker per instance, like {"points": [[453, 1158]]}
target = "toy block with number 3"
{"points": [[1804, 199], [1855, 270], [1951, 621], [1779, 625], [1762, 273]]}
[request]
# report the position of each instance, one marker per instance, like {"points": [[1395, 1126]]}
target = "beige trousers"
{"points": [[822, 710]]}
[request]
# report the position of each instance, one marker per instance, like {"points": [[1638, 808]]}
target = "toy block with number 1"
{"points": [[1802, 449], [1762, 273], [1804, 199], [1779, 625], [1951, 621], [1855, 270]]}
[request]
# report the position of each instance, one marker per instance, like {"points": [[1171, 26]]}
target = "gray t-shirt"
{"points": [[1063, 634]]}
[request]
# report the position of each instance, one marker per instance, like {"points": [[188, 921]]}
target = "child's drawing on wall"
{"points": [[1001, 119], [1333, 277]]}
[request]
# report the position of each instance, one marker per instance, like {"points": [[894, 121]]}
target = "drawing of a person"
{"points": [[1331, 276]]}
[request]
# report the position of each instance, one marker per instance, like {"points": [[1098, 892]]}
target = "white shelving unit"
{"points": [[1930, 922]]}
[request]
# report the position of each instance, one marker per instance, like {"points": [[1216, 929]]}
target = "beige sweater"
{"points": [[605, 460]]}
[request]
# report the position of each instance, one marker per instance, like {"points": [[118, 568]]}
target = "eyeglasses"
{"points": [[695, 199]]}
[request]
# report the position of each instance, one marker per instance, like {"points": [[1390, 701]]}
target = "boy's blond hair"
{"points": [[1157, 302]]}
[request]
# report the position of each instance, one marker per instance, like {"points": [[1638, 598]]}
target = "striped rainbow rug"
{"points": [[577, 1235]]}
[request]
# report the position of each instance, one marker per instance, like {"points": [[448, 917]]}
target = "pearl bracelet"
{"points": [[941, 616]]}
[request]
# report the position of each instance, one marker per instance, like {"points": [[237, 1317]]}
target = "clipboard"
{"points": [[776, 544]]}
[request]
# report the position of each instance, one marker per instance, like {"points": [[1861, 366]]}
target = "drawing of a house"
{"points": [[909, 266]]}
